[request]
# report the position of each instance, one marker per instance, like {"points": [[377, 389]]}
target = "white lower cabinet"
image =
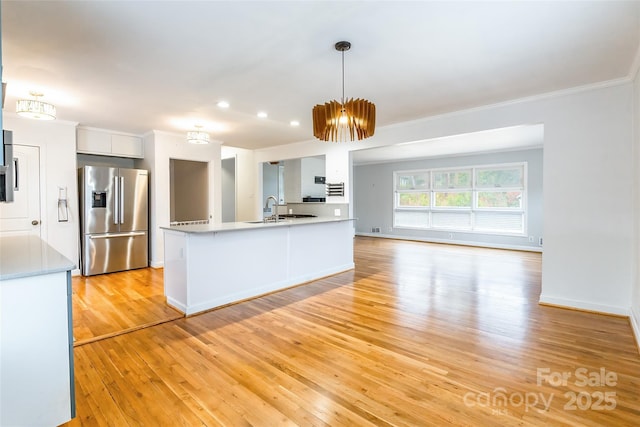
{"points": [[36, 359]]}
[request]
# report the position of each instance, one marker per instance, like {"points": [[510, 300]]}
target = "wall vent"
{"points": [[375, 229], [336, 189], [540, 241]]}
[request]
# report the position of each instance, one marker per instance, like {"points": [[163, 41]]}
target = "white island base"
{"points": [[208, 266]]}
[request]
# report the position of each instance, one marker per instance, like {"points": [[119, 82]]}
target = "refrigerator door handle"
{"points": [[122, 200], [116, 200], [109, 236]]}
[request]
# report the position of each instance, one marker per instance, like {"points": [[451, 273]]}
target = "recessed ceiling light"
{"points": [[262, 114], [294, 123], [223, 104]]}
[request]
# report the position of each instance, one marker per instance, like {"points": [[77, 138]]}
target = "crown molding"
{"points": [[538, 97]]}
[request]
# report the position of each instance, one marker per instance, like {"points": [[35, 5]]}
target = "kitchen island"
{"points": [[36, 341], [211, 265]]}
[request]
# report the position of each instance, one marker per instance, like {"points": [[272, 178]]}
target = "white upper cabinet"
{"points": [[106, 143]]}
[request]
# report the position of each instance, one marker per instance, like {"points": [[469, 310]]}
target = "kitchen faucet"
{"points": [[275, 207]]}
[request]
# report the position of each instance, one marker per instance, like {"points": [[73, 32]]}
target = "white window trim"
{"points": [[474, 190]]}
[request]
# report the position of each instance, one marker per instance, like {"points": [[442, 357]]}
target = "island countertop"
{"points": [[211, 265], [250, 225], [36, 333], [24, 256]]}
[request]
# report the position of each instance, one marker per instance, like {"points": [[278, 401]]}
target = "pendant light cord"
{"points": [[343, 78]]}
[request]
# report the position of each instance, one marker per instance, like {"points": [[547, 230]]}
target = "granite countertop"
{"points": [[251, 225], [25, 256]]}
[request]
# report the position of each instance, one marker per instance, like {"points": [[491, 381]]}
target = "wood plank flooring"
{"points": [[116, 303], [417, 335]]}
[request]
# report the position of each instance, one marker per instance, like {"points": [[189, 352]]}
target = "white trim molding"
{"points": [[156, 264], [584, 305], [634, 318], [452, 242]]}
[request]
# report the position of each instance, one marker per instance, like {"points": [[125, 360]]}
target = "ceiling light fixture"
{"points": [[197, 136], [35, 109], [294, 123], [262, 115], [223, 104], [345, 120]]}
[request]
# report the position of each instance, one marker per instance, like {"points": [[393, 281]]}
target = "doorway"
{"points": [[189, 191]]}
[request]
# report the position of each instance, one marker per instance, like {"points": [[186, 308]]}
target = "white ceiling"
{"points": [[134, 66]]}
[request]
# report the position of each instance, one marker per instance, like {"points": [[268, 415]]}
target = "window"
{"points": [[412, 197], [487, 199]]}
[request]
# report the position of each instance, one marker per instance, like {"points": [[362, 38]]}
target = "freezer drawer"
{"points": [[106, 253]]}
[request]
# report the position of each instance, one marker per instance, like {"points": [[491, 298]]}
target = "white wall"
{"points": [[635, 297], [57, 142], [588, 173], [159, 148]]}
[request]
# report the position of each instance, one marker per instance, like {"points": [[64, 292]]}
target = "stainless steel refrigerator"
{"points": [[114, 219]]}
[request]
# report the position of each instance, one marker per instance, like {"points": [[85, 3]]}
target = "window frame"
{"points": [[474, 209]]}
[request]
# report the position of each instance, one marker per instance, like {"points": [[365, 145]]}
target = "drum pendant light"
{"points": [[347, 120]]}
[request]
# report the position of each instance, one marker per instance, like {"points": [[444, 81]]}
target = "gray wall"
{"points": [[113, 162], [228, 177], [373, 199], [269, 180]]}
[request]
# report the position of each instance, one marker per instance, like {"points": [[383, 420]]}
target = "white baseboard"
{"points": [[177, 305], [453, 242], [635, 324], [257, 292], [156, 264], [584, 305]]}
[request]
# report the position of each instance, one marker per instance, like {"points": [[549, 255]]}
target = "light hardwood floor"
{"points": [[417, 335], [112, 304]]}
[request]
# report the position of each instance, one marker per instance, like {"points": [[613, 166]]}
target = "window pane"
{"points": [[413, 200], [452, 179], [509, 177], [500, 221], [415, 219], [459, 220], [461, 199], [417, 181], [500, 199]]}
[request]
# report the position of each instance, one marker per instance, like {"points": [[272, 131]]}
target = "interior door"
{"points": [[22, 216]]}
